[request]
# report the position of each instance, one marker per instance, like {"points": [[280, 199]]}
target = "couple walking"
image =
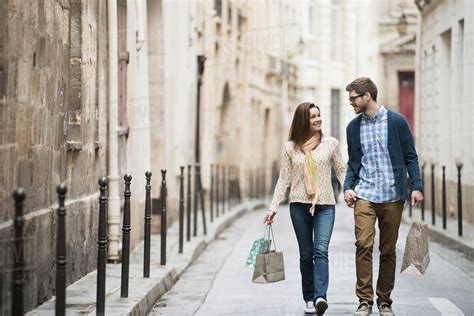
{"points": [[381, 151]]}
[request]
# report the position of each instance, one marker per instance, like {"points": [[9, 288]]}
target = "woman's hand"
{"points": [[350, 197], [268, 218]]}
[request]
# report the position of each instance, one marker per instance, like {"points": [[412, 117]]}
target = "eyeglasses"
{"points": [[352, 99]]}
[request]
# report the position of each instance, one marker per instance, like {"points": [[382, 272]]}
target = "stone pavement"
{"points": [[144, 292], [218, 283]]}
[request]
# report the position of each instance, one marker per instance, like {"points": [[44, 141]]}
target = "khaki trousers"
{"points": [[389, 217]]}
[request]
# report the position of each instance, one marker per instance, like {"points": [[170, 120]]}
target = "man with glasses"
{"points": [[381, 151]]}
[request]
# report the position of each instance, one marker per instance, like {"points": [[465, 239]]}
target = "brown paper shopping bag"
{"points": [[269, 266], [416, 257]]}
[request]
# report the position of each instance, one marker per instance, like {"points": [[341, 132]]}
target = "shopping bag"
{"points": [[259, 245], [269, 265], [416, 257]]}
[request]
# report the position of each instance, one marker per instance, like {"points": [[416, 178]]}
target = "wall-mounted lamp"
{"points": [[402, 25]]}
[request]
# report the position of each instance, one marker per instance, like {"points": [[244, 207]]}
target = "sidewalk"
{"points": [[447, 237], [143, 292]]}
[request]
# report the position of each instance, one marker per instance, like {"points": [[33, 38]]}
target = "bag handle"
{"points": [[270, 231]]}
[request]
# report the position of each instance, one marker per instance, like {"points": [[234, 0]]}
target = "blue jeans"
{"points": [[314, 261]]}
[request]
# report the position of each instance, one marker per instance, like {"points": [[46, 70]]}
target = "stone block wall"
{"points": [[53, 89]]}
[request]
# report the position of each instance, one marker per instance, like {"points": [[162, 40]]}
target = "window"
{"points": [[240, 22], [335, 113], [229, 15], [218, 7]]}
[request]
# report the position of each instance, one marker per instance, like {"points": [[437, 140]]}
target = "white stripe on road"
{"points": [[445, 306]]}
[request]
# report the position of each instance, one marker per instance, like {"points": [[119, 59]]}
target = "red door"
{"points": [[406, 89]]}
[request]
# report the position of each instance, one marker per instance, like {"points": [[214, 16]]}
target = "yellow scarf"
{"points": [[310, 171]]}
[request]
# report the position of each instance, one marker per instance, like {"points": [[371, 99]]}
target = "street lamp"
{"points": [[402, 25], [201, 59]]}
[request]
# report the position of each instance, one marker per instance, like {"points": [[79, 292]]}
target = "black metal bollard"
{"points": [[163, 217], [222, 198], [236, 177], [252, 179], [188, 207], [195, 201], [229, 189], [257, 179], [19, 264], [257, 182], [232, 186], [250, 174], [264, 182], [147, 237], [459, 166], [236, 181], [126, 238], [423, 202], [254, 189], [61, 190], [217, 191], [102, 247], [239, 195], [444, 197], [201, 199], [181, 209], [433, 196], [224, 188], [211, 194]]}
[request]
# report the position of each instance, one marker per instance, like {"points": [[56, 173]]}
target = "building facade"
{"points": [[53, 92], [397, 56], [444, 119], [92, 89]]}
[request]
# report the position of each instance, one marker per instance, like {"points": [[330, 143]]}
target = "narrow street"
{"points": [[218, 283]]}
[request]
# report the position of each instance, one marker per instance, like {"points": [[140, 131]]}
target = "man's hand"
{"points": [[268, 218], [350, 197], [416, 197]]}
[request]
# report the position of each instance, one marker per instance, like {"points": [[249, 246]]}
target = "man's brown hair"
{"points": [[362, 85]]}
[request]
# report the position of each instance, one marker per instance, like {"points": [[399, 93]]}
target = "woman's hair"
{"points": [[300, 129]]}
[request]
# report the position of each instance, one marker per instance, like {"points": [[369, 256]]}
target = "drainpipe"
{"points": [[113, 218], [140, 40]]}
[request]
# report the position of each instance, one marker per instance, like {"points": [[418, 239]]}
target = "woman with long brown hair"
{"points": [[307, 158]]}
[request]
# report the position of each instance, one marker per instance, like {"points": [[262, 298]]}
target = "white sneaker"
{"points": [[364, 309], [309, 308], [321, 305]]}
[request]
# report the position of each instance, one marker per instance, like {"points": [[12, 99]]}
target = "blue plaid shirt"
{"points": [[377, 181]]}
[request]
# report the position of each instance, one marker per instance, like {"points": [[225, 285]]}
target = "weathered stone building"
{"points": [[52, 129], [103, 88], [397, 56], [245, 88], [94, 88], [445, 111]]}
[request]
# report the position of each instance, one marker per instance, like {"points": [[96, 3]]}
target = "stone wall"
{"points": [[52, 129]]}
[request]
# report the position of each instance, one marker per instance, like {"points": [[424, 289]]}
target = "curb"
{"points": [[206, 240], [166, 283], [452, 244], [143, 292]]}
